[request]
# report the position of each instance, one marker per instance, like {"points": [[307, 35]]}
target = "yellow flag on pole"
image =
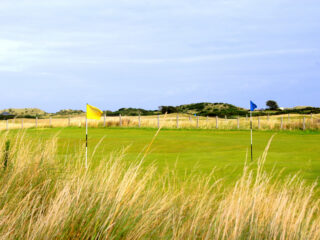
{"points": [[93, 112]]}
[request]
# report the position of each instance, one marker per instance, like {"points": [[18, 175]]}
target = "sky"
{"points": [[63, 54]]}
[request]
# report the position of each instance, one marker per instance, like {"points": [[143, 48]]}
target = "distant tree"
{"points": [[273, 105], [107, 112], [168, 109]]}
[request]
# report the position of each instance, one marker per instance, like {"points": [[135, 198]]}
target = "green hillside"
{"points": [[24, 111], [69, 112], [225, 109], [131, 112], [206, 109], [210, 109]]}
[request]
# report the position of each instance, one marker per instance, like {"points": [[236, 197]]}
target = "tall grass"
{"points": [[295, 122], [46, 197]]}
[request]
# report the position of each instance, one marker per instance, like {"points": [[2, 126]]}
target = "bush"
{"points": [[168, 109]]}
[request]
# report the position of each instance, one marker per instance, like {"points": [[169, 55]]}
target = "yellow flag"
{"points": [[93, 112]]}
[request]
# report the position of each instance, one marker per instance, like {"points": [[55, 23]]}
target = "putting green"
{"points": [[196, 150]]}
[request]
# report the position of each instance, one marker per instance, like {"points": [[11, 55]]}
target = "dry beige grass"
{"points": [[43, 197], [185, 121]]}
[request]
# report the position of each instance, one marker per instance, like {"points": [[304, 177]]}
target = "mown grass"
{"points": [[44, 196], [197, 151]]}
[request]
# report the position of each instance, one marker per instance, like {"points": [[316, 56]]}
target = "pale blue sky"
{"points": [[138, 53]]}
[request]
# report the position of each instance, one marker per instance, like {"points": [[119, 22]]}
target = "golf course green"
{"points": [[187, 151]]}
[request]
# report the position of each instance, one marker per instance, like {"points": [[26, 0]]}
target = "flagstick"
{"points": [[86, 143], [251, 133]]}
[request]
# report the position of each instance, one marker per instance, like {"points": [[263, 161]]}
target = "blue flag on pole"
{"points": [[252, 106]]}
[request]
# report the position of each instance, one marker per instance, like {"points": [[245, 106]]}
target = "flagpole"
{"points": [[86, 163], [251, 133]]}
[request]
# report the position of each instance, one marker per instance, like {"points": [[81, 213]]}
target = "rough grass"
{"points": [[42, 198], [279, 122]]}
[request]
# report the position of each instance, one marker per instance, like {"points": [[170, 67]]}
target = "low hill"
{"points": [[69, 112], [301, 107], [24, 111], [131, 112], [206, 109]]}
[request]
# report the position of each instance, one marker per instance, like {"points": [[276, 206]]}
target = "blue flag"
{"points": [[252, 106]]}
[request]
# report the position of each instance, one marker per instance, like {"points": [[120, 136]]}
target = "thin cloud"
{"points": [[203, 58]]}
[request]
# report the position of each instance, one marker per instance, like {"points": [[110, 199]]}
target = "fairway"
{"points": [[195, 150]]}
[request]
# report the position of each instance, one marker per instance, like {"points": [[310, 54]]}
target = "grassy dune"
{"points": [[43, 197]]}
